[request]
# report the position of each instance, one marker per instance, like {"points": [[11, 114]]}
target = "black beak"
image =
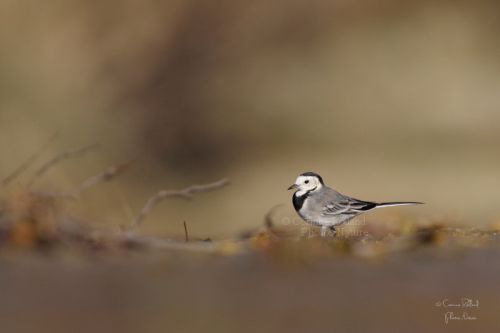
{"points": [[293, 187]]}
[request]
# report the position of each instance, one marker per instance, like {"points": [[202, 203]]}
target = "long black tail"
{"points": [[396, 203]]}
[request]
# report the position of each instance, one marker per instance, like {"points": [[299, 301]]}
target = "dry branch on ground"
{"points": [[186, 193]]}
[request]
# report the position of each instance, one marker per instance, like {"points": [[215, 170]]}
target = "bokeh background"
{"points": [[388, 100]]}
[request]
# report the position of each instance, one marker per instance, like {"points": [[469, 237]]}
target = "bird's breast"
{"points": [[298, 201]]}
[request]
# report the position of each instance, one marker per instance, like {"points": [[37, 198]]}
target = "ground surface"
{"points": [[261, 284]]}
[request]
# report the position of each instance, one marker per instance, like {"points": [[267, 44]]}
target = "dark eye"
{"points": [[306, 182]]}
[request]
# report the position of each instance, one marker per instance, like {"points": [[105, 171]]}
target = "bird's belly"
{"points": [[324, 220], [318, 220]]}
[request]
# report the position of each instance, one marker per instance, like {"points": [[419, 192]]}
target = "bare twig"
{"points": [[186, 193], [105, 176], [59, 158], [29, 161], [186, 232]]}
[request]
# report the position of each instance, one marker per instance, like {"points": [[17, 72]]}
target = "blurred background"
{"points": [[387, 100]]}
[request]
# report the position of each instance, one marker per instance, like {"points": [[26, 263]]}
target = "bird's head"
{"points": [[307, 182]]}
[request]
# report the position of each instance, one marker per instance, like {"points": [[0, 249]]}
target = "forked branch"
{"points": [[187, 193]]}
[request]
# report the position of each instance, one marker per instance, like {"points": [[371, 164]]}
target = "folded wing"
{"points": [[347, 206]]}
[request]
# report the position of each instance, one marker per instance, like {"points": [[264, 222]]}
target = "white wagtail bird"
{"points": [[322, 206]]}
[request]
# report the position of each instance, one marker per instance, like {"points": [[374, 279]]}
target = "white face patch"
{"points": [[306, 184]]}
